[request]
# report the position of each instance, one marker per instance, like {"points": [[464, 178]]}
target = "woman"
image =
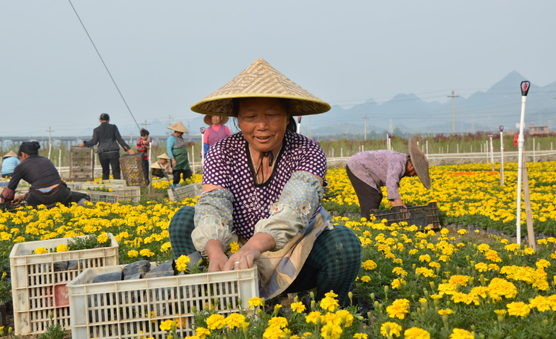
{"points": [[177, 151], [369, 171], [262, 188], [9, 162], [216, 131], [163, 164], [46, 186]]}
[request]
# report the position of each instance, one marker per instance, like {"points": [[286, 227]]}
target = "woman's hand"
{"points": [[216, 255], [250, 252], [174, 162], [18, 199], [217, 263], [82, 144], [131, 151]]}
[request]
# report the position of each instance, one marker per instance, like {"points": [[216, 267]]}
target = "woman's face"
{"points": [[262, 122], [178, 134], [215, 119]]}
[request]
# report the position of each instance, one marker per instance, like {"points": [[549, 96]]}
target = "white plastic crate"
{"points": [[118, 194], [188, 191], [121, 309], [38, 290]]}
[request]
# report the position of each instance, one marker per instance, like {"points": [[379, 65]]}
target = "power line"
{"points": [[106, 67]]}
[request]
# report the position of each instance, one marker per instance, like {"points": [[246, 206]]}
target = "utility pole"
{"points": [[146, 124], [453, 112], [49, 140], [365, 118]]}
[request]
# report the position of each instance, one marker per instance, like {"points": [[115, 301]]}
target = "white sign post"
{"points": [[524, 90], [501, 155]]}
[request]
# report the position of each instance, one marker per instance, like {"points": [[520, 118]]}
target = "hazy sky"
{"points": [[167, 55]]}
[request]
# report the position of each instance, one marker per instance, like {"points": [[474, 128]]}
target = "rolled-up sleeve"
{"points": [[213, 219]]}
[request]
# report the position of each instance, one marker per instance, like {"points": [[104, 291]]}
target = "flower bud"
{"points": [[373, 295]]}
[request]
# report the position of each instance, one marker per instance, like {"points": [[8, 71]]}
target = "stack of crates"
{"points": [[82, 164], [39, 286], [119, 194]]}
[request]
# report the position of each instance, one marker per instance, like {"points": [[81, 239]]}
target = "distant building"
{"points": [[535, 130]]}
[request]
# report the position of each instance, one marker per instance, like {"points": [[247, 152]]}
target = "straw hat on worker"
{"points": [[178, 127]]}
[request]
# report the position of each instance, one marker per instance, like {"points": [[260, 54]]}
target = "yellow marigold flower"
{"points": [[462, 232], [542, 263], [298, 307], [254, 302], [416, 333], [215, 322], [146, 253], [369, 265], [102, 238], [331, 331], [390, 329], [347, 318], [41, 250], [329, 304], [529, 251], [365, 278], [62, 248], [132, 253], [398, 308], [445, 311], [360, 336], [234, 247], [274, 333], [458, 279], [518, 309], [279, 322], [312, 317], [461, 334], [542, 304], [181, 263], [234, 320], [396, 283], [481, 267], [202, 332], [166, 325]]}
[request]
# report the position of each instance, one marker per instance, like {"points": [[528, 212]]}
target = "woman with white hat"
{"points": [[262, 188], [177, 151], [215, 132], [164, 161], [9, 162]]}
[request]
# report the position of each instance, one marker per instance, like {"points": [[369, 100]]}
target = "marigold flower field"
{"points": [[412, 284]]}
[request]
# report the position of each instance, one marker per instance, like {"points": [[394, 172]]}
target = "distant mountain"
{"points": [[499, 105]]}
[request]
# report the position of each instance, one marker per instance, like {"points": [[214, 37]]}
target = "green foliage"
{"points": [[87, 243], [54, 331]]}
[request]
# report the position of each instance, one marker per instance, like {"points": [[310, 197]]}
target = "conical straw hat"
{"points": [[155, 165], [163, 156], [263, 81], [420, 162], [9, 154], [178, 127], [208, 120]]}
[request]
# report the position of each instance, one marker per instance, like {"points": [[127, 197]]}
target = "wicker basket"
{"points": [[132, 169]]}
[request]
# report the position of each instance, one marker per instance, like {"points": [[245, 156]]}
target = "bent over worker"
{"points": [[369, 171]]}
